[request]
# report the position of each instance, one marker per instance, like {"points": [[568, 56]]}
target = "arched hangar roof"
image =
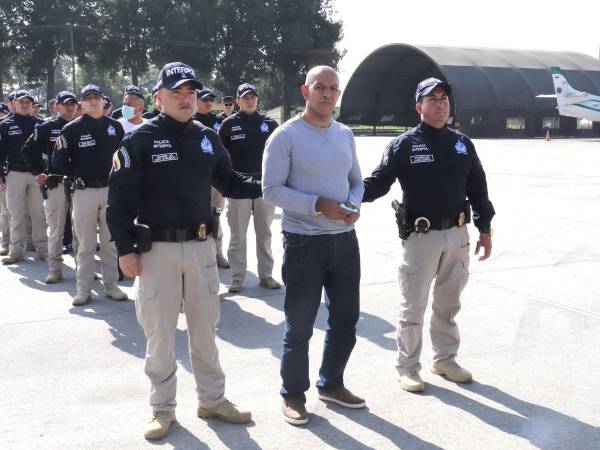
{"points": [[381, 90]]}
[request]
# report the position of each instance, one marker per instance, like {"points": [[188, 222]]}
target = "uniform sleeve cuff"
{"points": [[124, 247]]}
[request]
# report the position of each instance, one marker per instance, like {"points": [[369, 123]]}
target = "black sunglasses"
{"points": [[228, 104]]}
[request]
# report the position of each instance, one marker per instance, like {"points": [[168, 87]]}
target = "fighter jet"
{"points": [[572, 102]]}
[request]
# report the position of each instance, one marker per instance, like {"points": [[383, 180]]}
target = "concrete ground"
{"points": [[72, 378]]}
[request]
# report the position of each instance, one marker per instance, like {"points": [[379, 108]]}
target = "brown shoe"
{"points": [[294, 411], [3, 251], [226, 411], [222, 262], [158, 427], [235, 286], [452, 371], [12, 259], [342, 396], [269, 283], [53, 277]]}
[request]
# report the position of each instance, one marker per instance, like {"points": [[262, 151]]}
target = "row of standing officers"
{"points": [[160, 212]]}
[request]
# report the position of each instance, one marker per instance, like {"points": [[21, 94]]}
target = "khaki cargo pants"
{"points": [[176, 274], [239, 212], [23, 197], [442, 256], [55, 207]]}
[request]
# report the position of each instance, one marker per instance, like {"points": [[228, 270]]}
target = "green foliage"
{"points": [[271, 43]]}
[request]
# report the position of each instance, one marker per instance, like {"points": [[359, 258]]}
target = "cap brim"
{"points": [[447, 88], [99, 94], [246, 91], [25, 96], [67, 100], [178, 83]]}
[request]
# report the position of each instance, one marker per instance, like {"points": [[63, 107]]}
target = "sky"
{"points": [[521, 24]]}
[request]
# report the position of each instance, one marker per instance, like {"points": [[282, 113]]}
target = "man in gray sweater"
{"points": [[310, 170]]}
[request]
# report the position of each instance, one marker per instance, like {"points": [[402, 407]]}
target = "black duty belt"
{"points": [[95, 183], [199, 233], [423, 224], [18, 167]]}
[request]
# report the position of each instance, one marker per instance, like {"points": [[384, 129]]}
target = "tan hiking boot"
{"points": [[452, 371], [3, 251], [235, 286], [342, 396], [222, 262], [81, 299], [116, 294], [53, 277], [410, 380], [12, 259], [42, 256], [269, 283], [226, 411], [294, 410], [158, 427]]}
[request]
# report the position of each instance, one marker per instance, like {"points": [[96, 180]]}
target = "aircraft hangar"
{"points": [[494, 90]]}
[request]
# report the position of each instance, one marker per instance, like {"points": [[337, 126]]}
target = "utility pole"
{"points": [[72, 56]]}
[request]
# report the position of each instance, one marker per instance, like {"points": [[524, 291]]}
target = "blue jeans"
{"points": [[311, 263]]}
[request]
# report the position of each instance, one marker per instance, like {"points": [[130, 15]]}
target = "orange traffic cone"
{"points": [[547, 135]]}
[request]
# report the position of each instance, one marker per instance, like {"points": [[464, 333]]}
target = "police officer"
{"points": [[37, 107], [204, 115], [244, 135], [37, 152], [84, 150], [438, 169], [161, 179], [4, 215], [229, 106], [22, 191]]}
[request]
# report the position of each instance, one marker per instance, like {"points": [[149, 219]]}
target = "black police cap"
{"points": [[228, 99], [132, 89], [21, 93], [65, 96], [426, 86], [174, 74], [11, 96], [107, 101], [89, 90], [4, 108], [204, 92], [243, 89]]}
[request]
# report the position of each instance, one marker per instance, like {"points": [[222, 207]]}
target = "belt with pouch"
{"points": [[18, 167], [95, 183], [423, 224], [199, 233], [53, 181]]}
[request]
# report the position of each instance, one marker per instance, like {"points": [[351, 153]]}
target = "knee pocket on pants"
{"points": [[407, 274], [211, 274]]}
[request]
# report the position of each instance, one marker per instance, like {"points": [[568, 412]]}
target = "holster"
{"points": [[52, 182], [143, 238], [214, 222], [404, 228]]}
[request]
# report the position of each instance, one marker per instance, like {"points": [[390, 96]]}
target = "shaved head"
{"points": [[314, 73]]}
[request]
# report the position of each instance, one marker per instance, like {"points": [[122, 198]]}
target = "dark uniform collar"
{"points": [[175, 126], [254, 116], [428, 129]]}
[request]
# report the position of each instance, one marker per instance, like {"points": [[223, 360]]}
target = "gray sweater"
{"points": [[303, 162]]}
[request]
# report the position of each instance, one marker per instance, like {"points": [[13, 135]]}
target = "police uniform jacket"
{"points": [[244, 136], [86, 146], [162, 175], [151, 114], [14, 131], [37, 151], [437, 169], [210, 120]]}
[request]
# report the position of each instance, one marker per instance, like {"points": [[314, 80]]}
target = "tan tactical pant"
{"points": [[238, 217], [176, 274], [443, 256], [218, 201], [55, 208], [89, 218], [4, 220], [23, 195]]}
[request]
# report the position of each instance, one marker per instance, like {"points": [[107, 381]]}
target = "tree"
{"points": [[303, 35], [7, 43], [43, 35]]}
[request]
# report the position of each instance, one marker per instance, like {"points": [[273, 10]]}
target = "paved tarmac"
{"points": [[72, 378]]}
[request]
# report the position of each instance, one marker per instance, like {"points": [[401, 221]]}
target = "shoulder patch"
{"points": [[121, 159]]}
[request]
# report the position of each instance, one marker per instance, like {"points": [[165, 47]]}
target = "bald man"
{"points": [[310, 170]]}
